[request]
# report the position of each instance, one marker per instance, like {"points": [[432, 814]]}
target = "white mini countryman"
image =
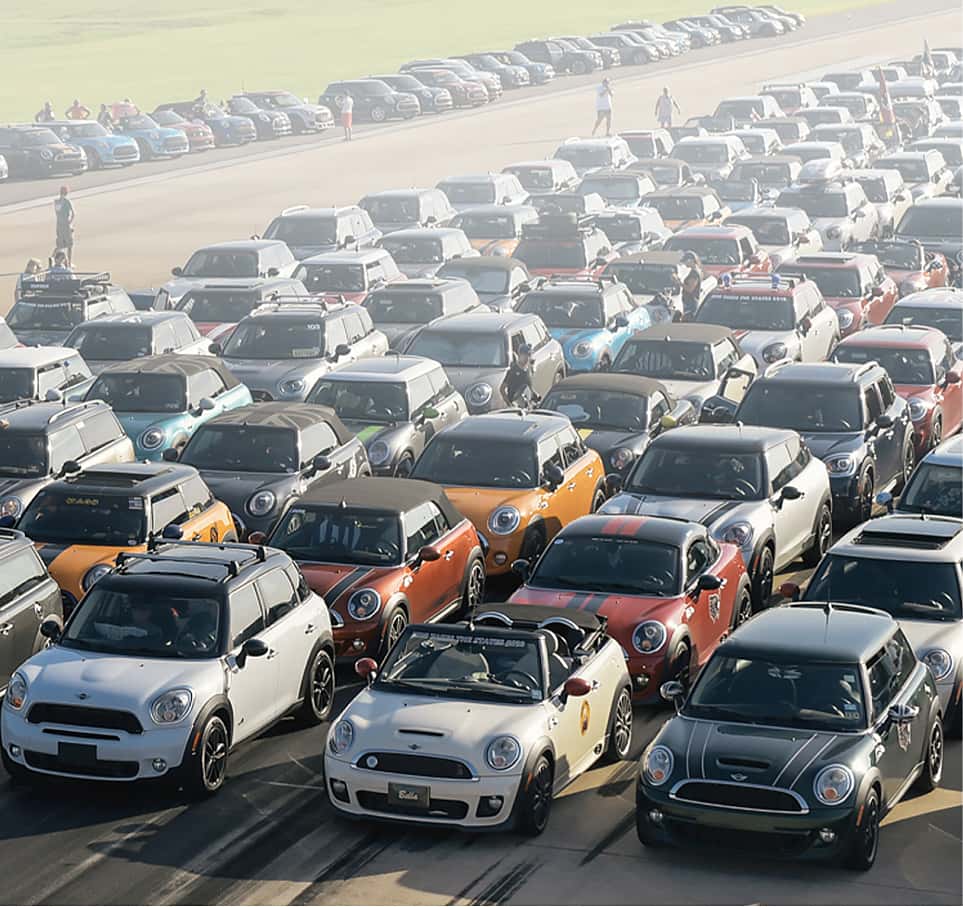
{"points": [[480, 724]]}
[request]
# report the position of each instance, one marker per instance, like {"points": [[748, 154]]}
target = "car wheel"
{"points": [[620, 729], [394, 626], [93, 160], [318, 692], [866, 495], [932, 772], [534, 544], [145, 153], [579, 68], [474, 593], [598, 499], [909, 461], [864, 839], [537, 799], [378, 114], [404, 467], [743, 610], [205, 770], [822, 537], [936, 434], [681, 664], [762, 579]]}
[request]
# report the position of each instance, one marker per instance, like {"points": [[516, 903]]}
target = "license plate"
{"points": [[409, 795], [81, 754]]}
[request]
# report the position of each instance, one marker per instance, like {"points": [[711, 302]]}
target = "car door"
{"points": [[580, 466], [286, 631], [429, 583], [449, 404], [893, 408], [949, 371], [792, 520], [100, 433], [881, 439], [206, 521], [576, 722], [706, 616], [27, 596]]}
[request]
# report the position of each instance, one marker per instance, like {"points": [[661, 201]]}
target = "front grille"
{"points": [[125, 151], [175, 144], [739, 796], [100, 768], [83, 716], [438, 809], [261, 396], [414, 764]]}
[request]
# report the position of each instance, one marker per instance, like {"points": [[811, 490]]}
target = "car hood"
{"points": [[825, 443], [76, 560], [754, 342], [268, 372], [497, 301], [302, 251], [367, 432], [416, 269], [335, 582], [23, 488], [463, 377], [935, 634], [570, 336], [605, 439], [696, 510], [136, 423], [234, 488], [42, 337], [398, 334], [697, 391], [822, 224]]}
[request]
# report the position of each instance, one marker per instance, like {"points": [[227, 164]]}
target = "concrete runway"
{"points": [[270, 836]]}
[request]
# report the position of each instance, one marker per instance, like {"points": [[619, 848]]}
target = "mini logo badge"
{"points": [[81, 695], [413, 746], [738, 776]]}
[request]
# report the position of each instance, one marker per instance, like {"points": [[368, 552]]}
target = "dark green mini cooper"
{"points": [[805, 727]]}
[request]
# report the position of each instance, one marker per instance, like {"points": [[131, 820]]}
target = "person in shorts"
{"points": [[347, 115], [603, 107], [64, 210]]}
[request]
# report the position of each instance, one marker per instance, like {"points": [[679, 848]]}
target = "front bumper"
{"points": [[844, 490], [172, 147]]}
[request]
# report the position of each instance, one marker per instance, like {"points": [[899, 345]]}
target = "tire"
{"points": [[405, 465], [863, 845], [866, 494], [474, 592], [620, 729], [204, 772], [822, 537], [93, 161], [681, 664], [743, 610], [936, 434], [145, 153], [394, 626], [762, 579], [932, 773], [378, 114], [536, 806], [598, 499], [909, 462], [318, 692], [579, 68]]}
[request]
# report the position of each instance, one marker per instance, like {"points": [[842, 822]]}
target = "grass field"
{"points": [[154, 52]]}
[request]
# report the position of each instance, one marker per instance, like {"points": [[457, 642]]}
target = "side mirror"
{"points": [[349, 240], [884, 421], [177, 272], [428, 553], [791, 493], [321, 463], [273, 272], [876, 292], [257, 538], [366, 669], [576, 686], [70, 467], [341, 350], [790, 591], [253, 648], [54, 395], [613, 484], [952, 378], [431, 220], [172, 532], [708, 582], [621, 320], [521, 567], [668, 421], [672, 691], [859, 215], [430, 412], [553, 475], [886, 499], [171, 455], [805, 326], [206, 404], [51, 628], [215, 349], [802, 239]]}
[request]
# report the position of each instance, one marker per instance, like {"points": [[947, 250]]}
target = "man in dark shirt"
{"points": [[517, 389]]}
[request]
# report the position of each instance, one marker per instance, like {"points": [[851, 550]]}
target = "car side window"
{"points": [[99, 429], [440, 385], [745, 248], [659, 407], [697, 558], [247, 619], [334, 334], [185, 333], [197, 496], [887, 674], [422, 393], [20, 573], [420, 529], [166, 509], [779, 463], [442, 525], [76, 371], [205, 384], [354, 327], [296, 578], [277, 595], [874, 408], [164, 340], [318, 439], [533, 336], [51, 378], [886, 392], [549, 452], [729, 358], [65, 444], [572, 447]]}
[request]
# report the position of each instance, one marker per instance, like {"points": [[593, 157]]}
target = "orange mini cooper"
{"points": [[81, 523], [382, 553], [519, 477]]}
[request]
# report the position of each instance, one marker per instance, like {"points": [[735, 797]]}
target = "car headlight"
{"points": [[98, 571], [649, 636], [292, 386], [917, 408], [834, 233], [264, 118], [153, 438], [939, 661], [262, 503], [774, 352], [46, 154], [341, 737], [504, 520], [842, 465], [379, 453], [833, 785], [11, 506], [738, 534], [364, 604], [172, 706], [479, 394], [846, 318], [657, 764], [621, 457], [503, 752], [582, 349], [16, 691]]}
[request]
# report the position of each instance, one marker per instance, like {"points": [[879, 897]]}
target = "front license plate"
{"points": [[77, 753], [409, 795]]}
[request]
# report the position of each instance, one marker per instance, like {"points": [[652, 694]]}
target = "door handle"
{"points": [[5, 629], [449, 555], [38, 610], [309, 629], [570, 486], [596, 684], [196, 537]]}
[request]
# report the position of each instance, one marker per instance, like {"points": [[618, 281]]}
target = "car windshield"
{"points": [[642, 146], [813, 696], [23, 455], [785, 97], [463, 663], [560, 311], [139, 622], [926, 223], [584, 156], [544, 254], [304, 231], [751, 312], [392, 209], [51, 315], [414, 249], [856, 106], [534, 177], [481, 193], [281, 338], [332, 278], [621, 227], [243, 106], [902, 256], [644, 277], [471, 349], [285, 99], [495, 463], [138, 121], [93, 342], [676, 361], [804, 408], [742, 109], [218, 306], [710, 251], [769, 231], [816, 204], [243, 448], [765, 174], [402, 82], [86, 130], [138, 392], [482, 280], [701, 153], [833, 283], [904, 366], [611, 189], [221, 263], [664, 175], [898, 587], [17, 384], [589, 408], [406, 307], [698, 473], [81, 517], [737, 190], [478, 225], [850, 139], [678, 207], [913, 170], [948, 320], [875, 189], [36, 137], [363, 401], [168, 118], [934, 489], [340, 535]]}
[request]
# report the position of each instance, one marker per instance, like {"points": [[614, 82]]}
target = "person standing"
{"points": [[45, 114], [517, 388], [347, 114], [64, 210], [105, 119], [603, 107], [77, 111], [664, 107]]}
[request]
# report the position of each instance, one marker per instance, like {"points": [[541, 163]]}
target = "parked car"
{"points": [[936, 486], [303, 116], [32, 151], [421, 251], [102, 148], [407, 209], [49, 373], [401, 311], [312, 231], [374, 100], [347, 276]]}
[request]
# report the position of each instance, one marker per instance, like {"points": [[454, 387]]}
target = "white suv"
{"points": [[167, 663]]}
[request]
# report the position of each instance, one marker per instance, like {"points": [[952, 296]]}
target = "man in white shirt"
{"points": [[347, 111], [603, 107]]}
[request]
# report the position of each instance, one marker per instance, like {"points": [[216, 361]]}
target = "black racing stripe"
{"points": [[578, 600], [595, 602], [345, 583], [717, 512], [50, 552]]}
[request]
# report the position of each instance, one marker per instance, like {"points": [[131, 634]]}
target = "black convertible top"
{"points": [[613, 381], [173, 364], [690, 331], [279, 414], [382, 494]]}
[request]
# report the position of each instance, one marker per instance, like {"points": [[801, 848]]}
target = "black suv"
{"points": [[28, 596], [401, 309], [577, 62], [39, 151], [374, 100], [849, 416]]}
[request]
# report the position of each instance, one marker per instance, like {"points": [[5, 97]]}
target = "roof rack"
{"points": [[559, 226], [78, 283], [294, 209], [232, 568]]}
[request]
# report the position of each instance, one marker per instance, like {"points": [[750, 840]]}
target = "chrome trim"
{"points": [[564, 621], [474, 774], [507, 621], [746, 809]]}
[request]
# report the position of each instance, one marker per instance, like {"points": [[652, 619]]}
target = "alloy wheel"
{"points": [[214, 754], [622, 727], [322, 684]]}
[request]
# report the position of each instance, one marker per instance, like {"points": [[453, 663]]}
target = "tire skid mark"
{"points": [[507, 885], [608, 839], [462, 895], [620, 782]]}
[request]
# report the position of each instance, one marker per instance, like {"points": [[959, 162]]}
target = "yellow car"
{"points": [[519, 477], [495, 229], [79, 524]]}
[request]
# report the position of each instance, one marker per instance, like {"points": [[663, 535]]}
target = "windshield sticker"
{"points": [[305, 352], [368, 431], [784, 673], [82, 502], [451, 639], [135, 503], [583, 433]]}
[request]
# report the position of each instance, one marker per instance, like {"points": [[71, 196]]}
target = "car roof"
{"points": [[424, 232], [831, 260], [818, 372], [245, 245], [949, 453], [127, 478], [613, 381], [936, 296], [689, 332], [141, 318], [424, 284], [710, 231], [478, 263], [811, 632], [347, 256], [749, 438], [36, 415], [763, 211], [898, 335], [34, 356], [941, 202], [500, 209], [655, 256], [771, 158], [278, 414], [698, 191], [383, 368], [316, 213], [480, 322], [382, 494], [935, 539], [512, 424], [663, 530], [172, 364]]}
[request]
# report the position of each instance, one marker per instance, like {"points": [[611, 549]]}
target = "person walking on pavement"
{"points": [[347, 114], [77, 111], [45, 114], [664, 107], [603, 107], [517, 389], [105, 119], [64, 210]]}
